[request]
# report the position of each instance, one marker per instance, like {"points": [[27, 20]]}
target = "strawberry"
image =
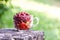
{"points": [[22, 20]]}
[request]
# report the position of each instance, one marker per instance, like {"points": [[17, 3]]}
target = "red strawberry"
{"points": [[22, 21]]}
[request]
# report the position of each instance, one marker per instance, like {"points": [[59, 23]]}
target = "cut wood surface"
{"points": [[12, 34]]}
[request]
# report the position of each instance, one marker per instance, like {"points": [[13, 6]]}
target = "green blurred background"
{"points": [[50, 26]]}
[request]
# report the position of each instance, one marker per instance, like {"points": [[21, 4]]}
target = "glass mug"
{"points": [[25, 22], [31, 24]]}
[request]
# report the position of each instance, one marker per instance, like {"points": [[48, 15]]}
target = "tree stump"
{"points": [[12, 34]]}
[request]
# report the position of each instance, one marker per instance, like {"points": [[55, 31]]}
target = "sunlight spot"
{"points": [[50, 11]]}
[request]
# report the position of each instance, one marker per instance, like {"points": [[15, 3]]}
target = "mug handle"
{"points": [[37, 21]]}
